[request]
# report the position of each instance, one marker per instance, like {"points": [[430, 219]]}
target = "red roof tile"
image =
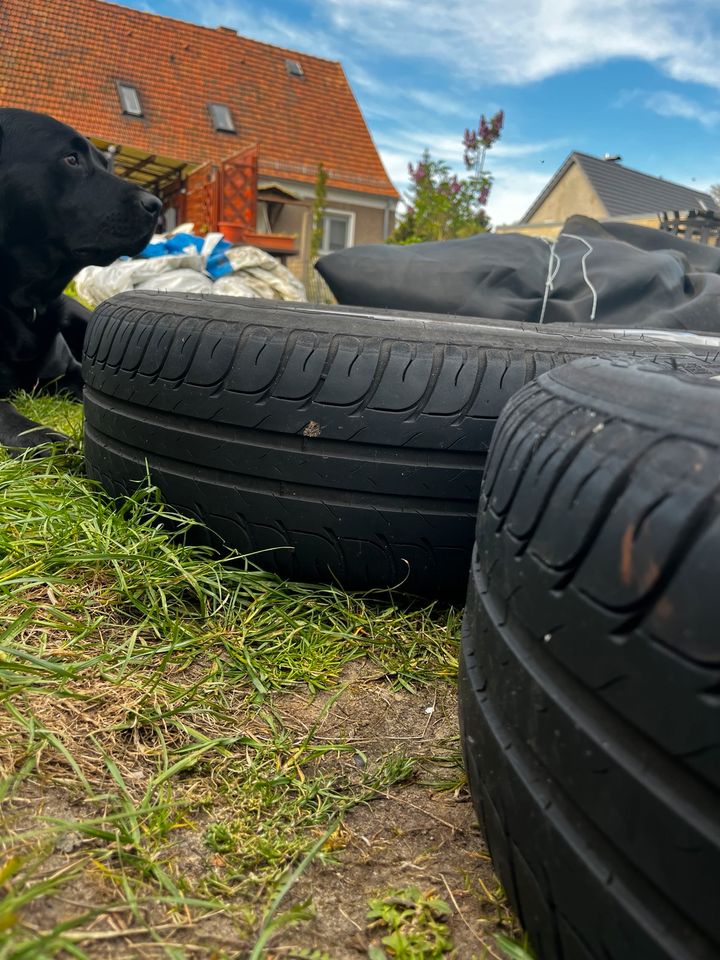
{"points": [[65, 58]]}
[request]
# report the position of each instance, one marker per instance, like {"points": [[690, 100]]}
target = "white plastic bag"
{"points": [[283, 284], [95, 284], [258, 284], [242, 257], [178, 281], [233, 285]]}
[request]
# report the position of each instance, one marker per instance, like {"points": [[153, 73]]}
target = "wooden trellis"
{"points": [[200, 200], [224, 192], [237, 189]]}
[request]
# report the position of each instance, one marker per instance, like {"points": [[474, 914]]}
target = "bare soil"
{"points": [[414, 834], [421, 832]]}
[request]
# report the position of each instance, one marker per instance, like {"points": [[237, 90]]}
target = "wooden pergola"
{"points": [[220, 195]]}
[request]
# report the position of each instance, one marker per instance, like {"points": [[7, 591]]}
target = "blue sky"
{"points": [[636, 77]]}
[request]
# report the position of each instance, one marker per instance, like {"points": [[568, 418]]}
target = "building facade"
{"points": [[223, 128], [604, 189]]}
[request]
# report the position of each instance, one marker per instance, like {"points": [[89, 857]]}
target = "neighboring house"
{"points": [[223, 128], [605, 190]]}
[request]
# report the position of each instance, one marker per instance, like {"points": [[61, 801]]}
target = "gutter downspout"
{"points": [[386, 219]]}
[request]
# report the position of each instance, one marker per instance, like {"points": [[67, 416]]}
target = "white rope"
{"points": [[584, 270], [551, 274]]}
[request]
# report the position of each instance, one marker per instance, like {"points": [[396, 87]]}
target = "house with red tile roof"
{"points": [[225, 129]]}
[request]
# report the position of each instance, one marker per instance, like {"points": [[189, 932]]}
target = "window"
{"points": [[129, 100], [221, 118], [337, 231], [294, 68]]}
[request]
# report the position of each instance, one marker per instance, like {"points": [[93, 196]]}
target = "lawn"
{"points": [[201, 761]]}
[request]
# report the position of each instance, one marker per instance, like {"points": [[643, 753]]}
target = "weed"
{"points": [[514, 950], [415, 925]]}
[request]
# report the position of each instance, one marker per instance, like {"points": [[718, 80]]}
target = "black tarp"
{"points": [[611, 274]]}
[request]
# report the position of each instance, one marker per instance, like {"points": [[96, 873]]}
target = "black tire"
{"points": [[590, 666], [355, 438]]}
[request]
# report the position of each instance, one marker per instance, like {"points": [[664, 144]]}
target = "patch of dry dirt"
{"points": [[413, 838], [420, 832], [413, 834]]}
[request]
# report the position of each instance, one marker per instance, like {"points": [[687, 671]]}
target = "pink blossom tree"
{"points": [[441, 205]]}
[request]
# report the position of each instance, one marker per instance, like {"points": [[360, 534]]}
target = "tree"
{"points": [[442, 206], [318, 213]]}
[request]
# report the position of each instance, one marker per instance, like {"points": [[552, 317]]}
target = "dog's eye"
{"points": [[73, 160]]}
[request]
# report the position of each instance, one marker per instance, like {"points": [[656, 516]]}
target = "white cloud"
{"points": [[510, 150], [257, 21], [672, 105], [442, 145], [396, 164], [438, 103], [518, 41], [513, 192], [499, 41], [369, 83], [448, 146]]}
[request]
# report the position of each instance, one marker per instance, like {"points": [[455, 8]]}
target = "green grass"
{"points": [[411, 925], [156, 791]]}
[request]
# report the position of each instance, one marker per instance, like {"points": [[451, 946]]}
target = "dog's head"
{"points": [[60, 207]]}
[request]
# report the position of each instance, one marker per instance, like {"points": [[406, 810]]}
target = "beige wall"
{"points": [[551, 230], [297, 218], [648, 221], [573, 194]]}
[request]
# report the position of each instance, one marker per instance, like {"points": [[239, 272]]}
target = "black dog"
{"points": [[60, 210]]}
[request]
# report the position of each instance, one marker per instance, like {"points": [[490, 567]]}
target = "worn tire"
{"points": [[590, 667], [355, 438]]}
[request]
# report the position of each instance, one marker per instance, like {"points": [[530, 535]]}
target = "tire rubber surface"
{"points": [[590, 667], [335, 444]]}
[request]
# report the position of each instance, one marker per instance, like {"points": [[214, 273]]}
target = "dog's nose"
{"points": [[150, 203]]}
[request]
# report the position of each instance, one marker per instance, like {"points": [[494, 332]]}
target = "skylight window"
{"points": [[129, 100], [221, 118], [294, 68]]}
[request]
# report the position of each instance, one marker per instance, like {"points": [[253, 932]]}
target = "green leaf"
{"points": [[512, 949], [376, 952], [439, 907]]}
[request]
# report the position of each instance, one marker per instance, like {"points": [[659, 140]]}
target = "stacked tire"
{"points": [[329, 444], [590, 669]]}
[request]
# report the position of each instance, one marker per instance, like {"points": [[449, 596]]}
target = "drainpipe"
{"points": [[386, 219]]}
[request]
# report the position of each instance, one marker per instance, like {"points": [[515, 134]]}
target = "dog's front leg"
{"points": [[72, 322], [19, 433], [61, 372]]}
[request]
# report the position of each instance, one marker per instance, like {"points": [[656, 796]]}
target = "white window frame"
{"points": [[217, 123], [129, 97], [294, 68], [348, 215]]}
